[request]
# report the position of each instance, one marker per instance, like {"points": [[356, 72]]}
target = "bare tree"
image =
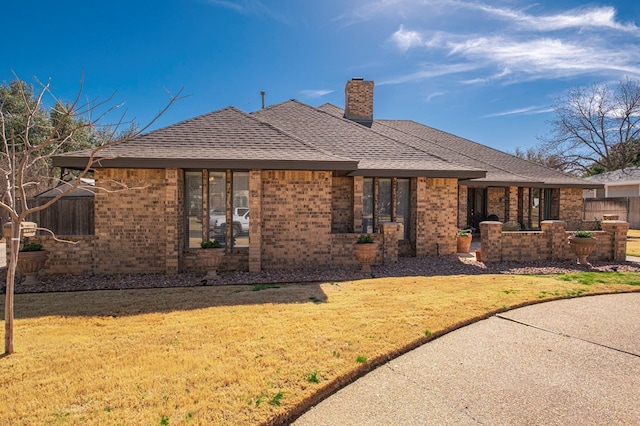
{"points": [[539, 156], [25, 159], [596, 127]]}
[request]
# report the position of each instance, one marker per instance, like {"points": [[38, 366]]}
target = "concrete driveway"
{"points": [[567, 362]]}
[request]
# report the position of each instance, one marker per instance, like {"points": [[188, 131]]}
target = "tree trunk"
{"points": [[12, 264]]}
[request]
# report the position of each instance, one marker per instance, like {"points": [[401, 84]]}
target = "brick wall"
{"points": [[463, 206], [296, 218], [551, 243], [73, 257], [512, 204], [496, 202], [571, 204], [437, 216], [342, 205], [131, 221]]}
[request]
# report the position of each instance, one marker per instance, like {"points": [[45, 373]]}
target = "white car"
{"points": [[218, 222]]}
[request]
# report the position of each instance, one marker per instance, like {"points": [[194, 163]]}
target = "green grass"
{"points": [[591, 278], [633, 242]]}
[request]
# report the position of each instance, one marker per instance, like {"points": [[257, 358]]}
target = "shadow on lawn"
{"points": [[117, 303]]}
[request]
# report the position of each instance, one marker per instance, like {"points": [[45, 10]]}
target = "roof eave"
{"points": [[403, 173], [162, 163]]}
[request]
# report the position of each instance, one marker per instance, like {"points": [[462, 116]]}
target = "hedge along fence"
{"points": [[551, 243]]}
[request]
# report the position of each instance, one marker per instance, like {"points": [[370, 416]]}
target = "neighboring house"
{"points": [[620, 196], [311, 179], [618, 183]]}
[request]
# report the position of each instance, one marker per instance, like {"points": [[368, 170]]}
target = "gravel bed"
{"points": [[426, 266]]}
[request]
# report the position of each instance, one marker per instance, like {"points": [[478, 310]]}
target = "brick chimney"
{"points": [[358, 103]]}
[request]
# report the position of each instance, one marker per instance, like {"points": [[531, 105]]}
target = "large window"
{"points": [[209, 193], [386, 200]]}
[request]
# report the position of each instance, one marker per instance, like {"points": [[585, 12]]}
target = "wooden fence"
{"points": [[627, 209], [68, 216]]}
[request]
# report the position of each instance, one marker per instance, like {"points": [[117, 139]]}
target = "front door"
{"points": [[476, 207]]}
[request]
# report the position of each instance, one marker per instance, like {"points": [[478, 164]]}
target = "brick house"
{"points": [[299, 184]]}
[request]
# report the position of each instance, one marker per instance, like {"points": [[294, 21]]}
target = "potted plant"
{"points": [[582, 244], [210, 257], [31, 260], [365, 249], [464, 241]]}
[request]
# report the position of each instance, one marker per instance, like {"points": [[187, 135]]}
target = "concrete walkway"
{"points": [[568, 362]]}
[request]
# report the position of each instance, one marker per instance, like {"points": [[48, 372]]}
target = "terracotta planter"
{"points": [[210, 259], [582, 248], [366, 254], [30, 263], [464, 243]]}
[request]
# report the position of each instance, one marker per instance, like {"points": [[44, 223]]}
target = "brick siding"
{"points": [[342, 205], [296, 221], [551, 243]]}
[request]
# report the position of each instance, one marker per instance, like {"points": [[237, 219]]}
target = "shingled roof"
{"points": [[502, 169], [377, 154], [227, 138], [295, 136]]}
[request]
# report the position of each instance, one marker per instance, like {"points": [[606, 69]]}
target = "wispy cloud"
{"points": [[315, 93], [532, 47], [521, 111], [430, 72], [250, 7], [580, 18]]}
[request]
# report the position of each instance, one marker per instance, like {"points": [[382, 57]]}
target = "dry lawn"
{"points": [[236, 354], [633, 242]]}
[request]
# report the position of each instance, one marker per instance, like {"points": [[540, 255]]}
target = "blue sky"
{"points": [[488, 71]]}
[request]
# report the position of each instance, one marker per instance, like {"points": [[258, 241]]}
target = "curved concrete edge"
{"points": [[570, 361]]}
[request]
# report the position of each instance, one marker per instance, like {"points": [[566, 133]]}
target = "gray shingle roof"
{"points": [[628, 176], [378, 155], [227, 138], [502, 169], [293, 135]]}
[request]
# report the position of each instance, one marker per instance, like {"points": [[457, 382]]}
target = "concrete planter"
{"points": [[30, 263], [582, 248], [366, 254], [210, 259]]}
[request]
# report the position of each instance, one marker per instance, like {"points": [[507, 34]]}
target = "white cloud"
{"points": [[315, 93], [580, 18], [250, 7], [521, 111], [405, 40], [546, 57], [430, 72]]}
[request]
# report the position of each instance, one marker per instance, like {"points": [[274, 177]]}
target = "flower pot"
{"points": [[210, 260], [30, 263], [464, 243], [582, 248], [366, 254]]}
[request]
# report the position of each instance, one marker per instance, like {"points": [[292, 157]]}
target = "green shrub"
{"points": [[365, 239], [583, 234], [211, 244], [32, 247]]}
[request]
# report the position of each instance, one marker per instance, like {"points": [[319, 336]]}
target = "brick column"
{"points": [[255, 220], [173, 218], [556, 233], [618, 229], [358, 190], [491, 241], [390, 232], [420, 209]]}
